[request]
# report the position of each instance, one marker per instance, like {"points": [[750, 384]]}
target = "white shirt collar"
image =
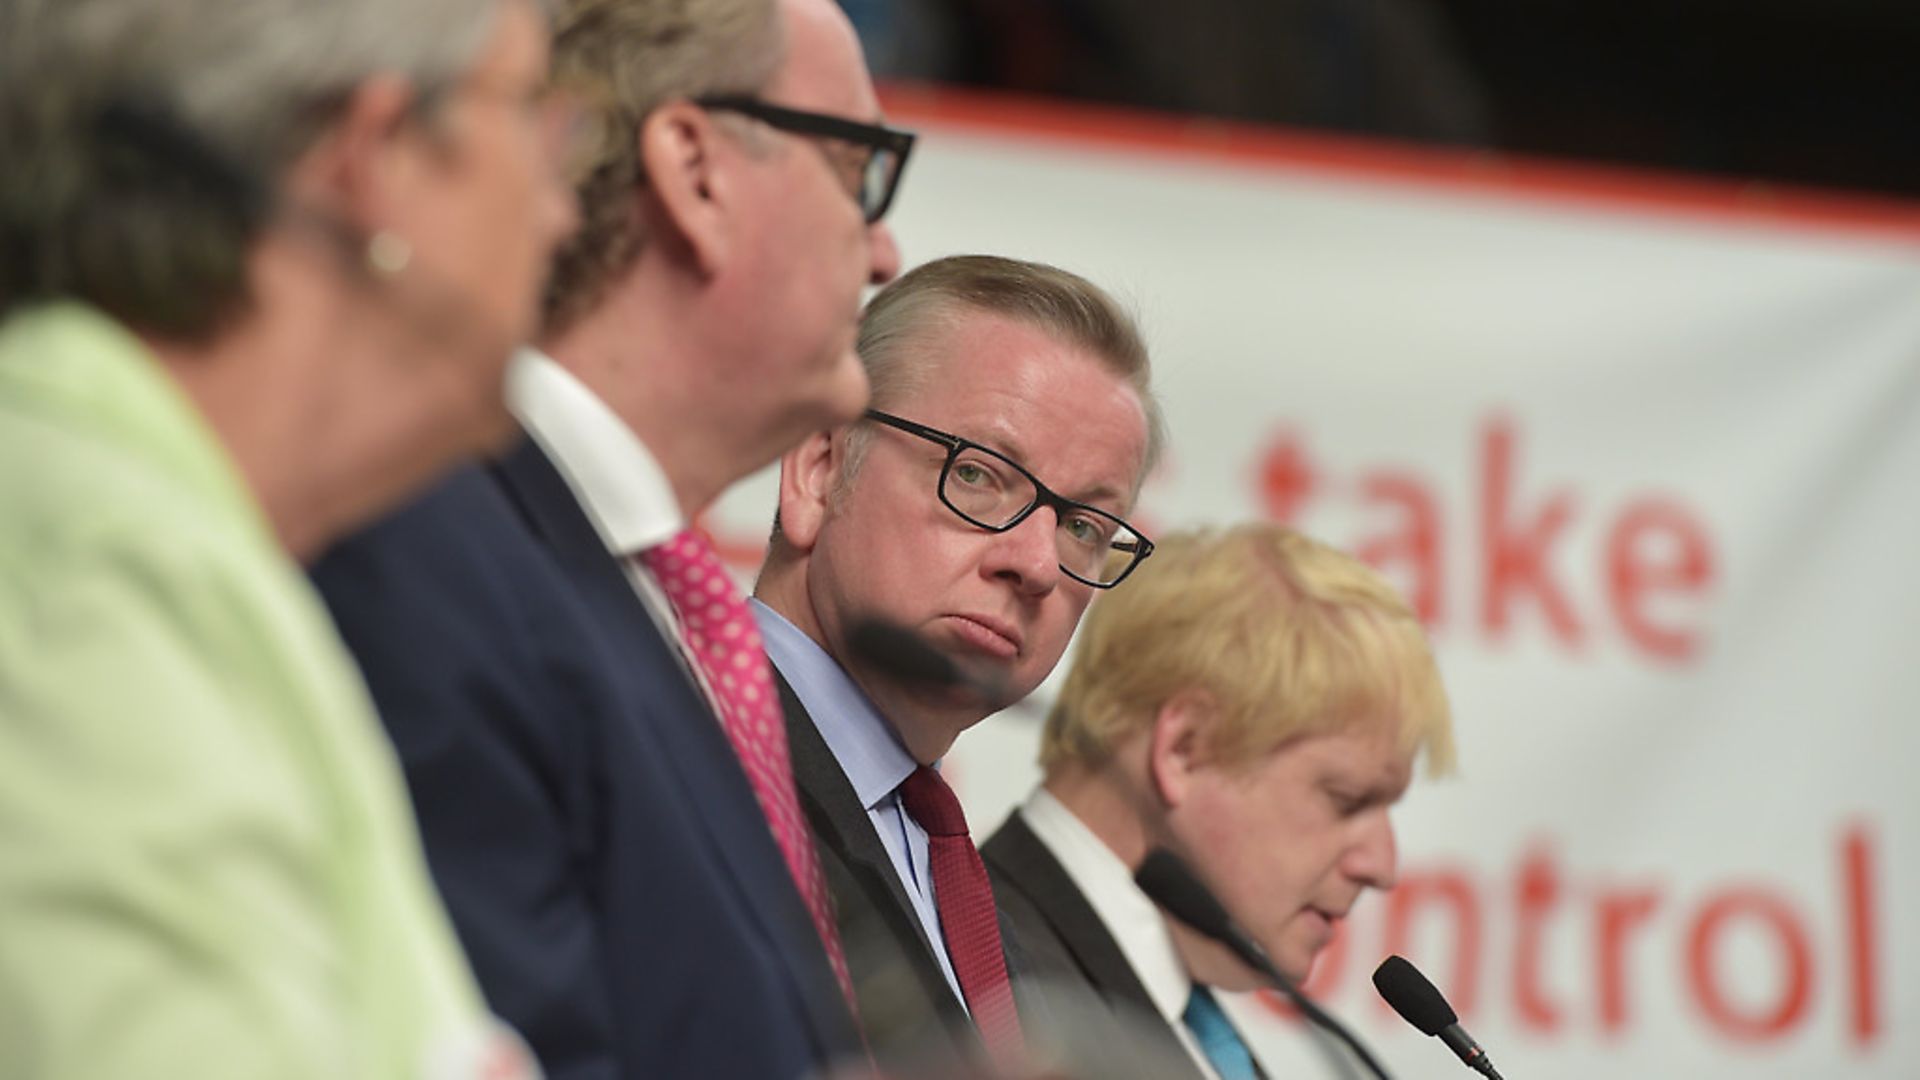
{"points": [[616, 478], [1135, 922]]}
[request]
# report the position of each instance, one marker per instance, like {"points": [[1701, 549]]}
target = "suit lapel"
{"points": [[878, 920], [536, 488], [834, 810], [1026, 864], [674, 715], [1021, 862]]}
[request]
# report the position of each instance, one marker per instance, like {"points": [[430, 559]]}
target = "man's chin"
{"points": [[1239, 979], [956, 708], [938, 723], [1295, 973], [1294, 967], [986, 663], [1215, 965]]}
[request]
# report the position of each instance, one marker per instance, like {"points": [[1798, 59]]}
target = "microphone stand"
{"points": [[1165, 878], [1255, 957]]}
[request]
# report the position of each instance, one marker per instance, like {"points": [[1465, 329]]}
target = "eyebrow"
{"points": [[1096, 495], [1006, 442]]}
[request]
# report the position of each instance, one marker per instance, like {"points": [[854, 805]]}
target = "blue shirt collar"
{"points": [[860, 738]]}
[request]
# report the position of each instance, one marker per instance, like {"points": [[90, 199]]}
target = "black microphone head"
{"points": [[1165, 878], [1417, 1001], [904, 654]]}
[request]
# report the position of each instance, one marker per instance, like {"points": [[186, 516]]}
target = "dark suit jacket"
{"points": [[1069, 948], [598, 847], [906, 1004]]}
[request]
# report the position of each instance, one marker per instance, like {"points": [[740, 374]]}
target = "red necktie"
{"points": [[967, 917], [725, 643]]}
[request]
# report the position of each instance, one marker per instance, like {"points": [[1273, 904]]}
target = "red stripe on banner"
{"points": [[1865, 988], [1472, 171]]}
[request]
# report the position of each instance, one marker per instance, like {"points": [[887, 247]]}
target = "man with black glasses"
{"points": [[979, 507], [575, 688]]}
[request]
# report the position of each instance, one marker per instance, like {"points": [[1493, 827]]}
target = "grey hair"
{"points": [[157, 232], [932, 297], [624, 59]]}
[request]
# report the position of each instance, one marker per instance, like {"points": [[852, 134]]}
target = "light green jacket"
{"points": [[208, 865]]}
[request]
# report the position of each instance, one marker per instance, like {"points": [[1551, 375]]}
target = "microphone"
{"points": [[1423, 1006], [1166, 880], [907, 656]]}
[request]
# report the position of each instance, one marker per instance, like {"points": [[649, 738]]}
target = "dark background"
{"points": [[1812, 92]]}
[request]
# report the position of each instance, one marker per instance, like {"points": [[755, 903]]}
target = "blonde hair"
{"points": [[931, 297], [1284, 635], [623, 59]]}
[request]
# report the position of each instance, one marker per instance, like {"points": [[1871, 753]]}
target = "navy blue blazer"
{"points": [[596, 842], [911, 1016]]}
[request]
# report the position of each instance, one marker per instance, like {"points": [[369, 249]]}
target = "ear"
{"points": [[365, 168], [808, 475], [681, 156], [1176, 745]]}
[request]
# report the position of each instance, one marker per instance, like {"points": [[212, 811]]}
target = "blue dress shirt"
{"points": [[871, 756]]}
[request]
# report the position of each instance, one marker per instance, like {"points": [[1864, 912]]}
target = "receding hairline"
{"points": [[938, 315]]}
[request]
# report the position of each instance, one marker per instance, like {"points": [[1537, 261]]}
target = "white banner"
{"points": [[1646, 458]]}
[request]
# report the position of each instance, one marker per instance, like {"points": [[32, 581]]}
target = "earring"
{"points": [[388, 254]]}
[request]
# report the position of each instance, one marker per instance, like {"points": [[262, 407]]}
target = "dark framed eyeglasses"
{"points": [[887, 148], [992, 491]]}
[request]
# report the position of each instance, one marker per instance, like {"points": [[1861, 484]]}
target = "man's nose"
{"points": [[885, 264], [1027, 554], [1374, 859]]}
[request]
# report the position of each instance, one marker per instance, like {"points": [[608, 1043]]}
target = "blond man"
{"points": [[1255, 701]]}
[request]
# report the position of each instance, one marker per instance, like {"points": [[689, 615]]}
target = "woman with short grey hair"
{"points": [[262, 265]]}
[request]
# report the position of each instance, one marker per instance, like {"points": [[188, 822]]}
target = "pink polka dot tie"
{"points": [[724, 642]]}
